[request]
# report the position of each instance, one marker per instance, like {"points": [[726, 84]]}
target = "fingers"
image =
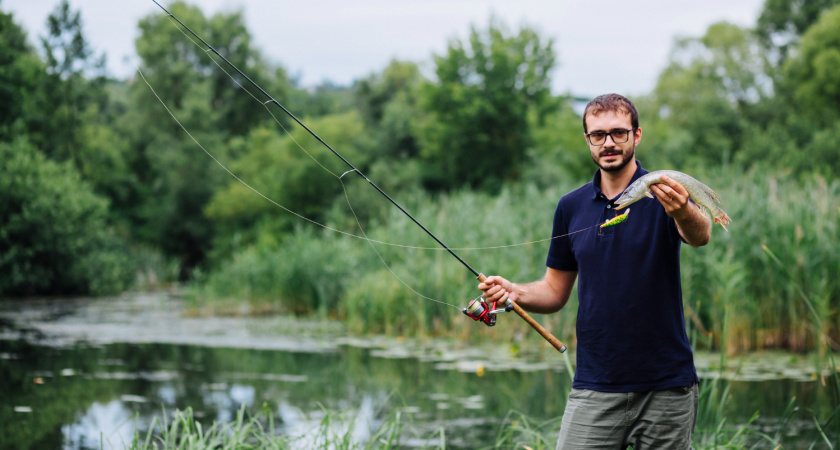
{"points": [[665, 195], [494, 289], [674, 185], [495, 293], [672, 195]]}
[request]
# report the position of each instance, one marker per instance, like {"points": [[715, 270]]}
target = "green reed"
{"points": [[184, 432], [335, 430], [798, 221], [770, 282], [374, 287]]}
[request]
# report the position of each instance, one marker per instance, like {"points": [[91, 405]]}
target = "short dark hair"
{"points": [[614, 103]]}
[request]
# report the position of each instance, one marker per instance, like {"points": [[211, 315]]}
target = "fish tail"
{"points": [[723, 219]]}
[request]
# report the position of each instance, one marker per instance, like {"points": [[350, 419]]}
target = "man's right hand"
{"points": [[497, 288]]}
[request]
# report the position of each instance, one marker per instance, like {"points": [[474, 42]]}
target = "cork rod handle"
{"points": [[542, 331]]}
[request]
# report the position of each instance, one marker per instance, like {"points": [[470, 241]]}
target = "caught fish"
{"points": [[702, 195]]}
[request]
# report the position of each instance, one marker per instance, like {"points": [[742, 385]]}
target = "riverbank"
{"points": [[76, 364], [159, 317]]}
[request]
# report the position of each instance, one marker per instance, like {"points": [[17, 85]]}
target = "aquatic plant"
{"points": [[318, 272]]}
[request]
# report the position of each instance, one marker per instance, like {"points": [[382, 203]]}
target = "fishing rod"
{"points": [[477, 309]]}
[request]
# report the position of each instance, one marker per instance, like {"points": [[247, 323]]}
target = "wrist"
{"points": [[685, 213], [513, 291]]}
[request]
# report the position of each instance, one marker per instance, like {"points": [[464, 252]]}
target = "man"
{"points": [[635, 382]]}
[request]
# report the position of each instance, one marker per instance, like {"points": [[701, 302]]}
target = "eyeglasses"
{"points": [[600, 137]]}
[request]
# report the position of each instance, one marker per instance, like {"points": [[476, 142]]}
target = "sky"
{"points": [[601, 45]]}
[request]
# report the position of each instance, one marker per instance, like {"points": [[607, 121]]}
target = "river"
{"points": [[87, 373]]}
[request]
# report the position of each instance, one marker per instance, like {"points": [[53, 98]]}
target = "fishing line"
{"points": [[300, 216], [265, 104], [383, 259], [364, 236], [293, 117], [370, 241]]}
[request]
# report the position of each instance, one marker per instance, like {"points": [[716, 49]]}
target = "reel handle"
{"points": [[542, 331]]}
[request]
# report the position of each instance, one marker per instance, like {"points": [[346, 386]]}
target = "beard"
{"points": [[626, 157]]}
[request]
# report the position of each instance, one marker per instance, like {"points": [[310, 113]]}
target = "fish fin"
{"points": [[711, 193], [723, 219], [648, 193], [714, 196]]}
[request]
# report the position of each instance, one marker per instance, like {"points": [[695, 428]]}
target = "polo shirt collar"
{"points": [[596, 181]]}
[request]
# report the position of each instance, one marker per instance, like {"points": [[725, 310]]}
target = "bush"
{"points": [[731, 281], [54, 236]]}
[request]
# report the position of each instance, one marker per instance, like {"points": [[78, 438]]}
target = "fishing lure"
{"points": [[616, 220]]}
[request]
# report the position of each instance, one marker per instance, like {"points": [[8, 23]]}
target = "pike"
{"points": [[703, 196], [511, 305]]}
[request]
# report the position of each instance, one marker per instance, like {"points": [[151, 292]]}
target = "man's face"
{"points": [[609, 156]]}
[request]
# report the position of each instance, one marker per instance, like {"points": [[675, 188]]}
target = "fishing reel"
{"points": [[479, 310]]}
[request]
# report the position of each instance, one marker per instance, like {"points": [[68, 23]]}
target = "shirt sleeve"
{"points": [[560, 254]]}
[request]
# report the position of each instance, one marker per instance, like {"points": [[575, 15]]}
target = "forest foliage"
{"points": [[103, 191]]}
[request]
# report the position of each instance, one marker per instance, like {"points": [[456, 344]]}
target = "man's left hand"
{"points": [[694, 226], [673, 196]]}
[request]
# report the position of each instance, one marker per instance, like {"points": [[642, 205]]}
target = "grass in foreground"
{"points": [[334, 431]]}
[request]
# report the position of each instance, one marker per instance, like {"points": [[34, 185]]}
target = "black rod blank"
{"points": [[289, 113]]}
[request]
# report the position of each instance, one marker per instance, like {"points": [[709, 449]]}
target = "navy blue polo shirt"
{"points": [[630, 324]]}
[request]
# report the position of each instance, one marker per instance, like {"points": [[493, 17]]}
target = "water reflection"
{"points": [[76, 395], [109, 424], [88, 390]]}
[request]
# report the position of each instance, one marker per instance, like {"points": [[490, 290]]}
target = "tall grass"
{"points": [[317, 271], [333, 431], [184, 432], [770, 282], [516, 430], [797, 220]]}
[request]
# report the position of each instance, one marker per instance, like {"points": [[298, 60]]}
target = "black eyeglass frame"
{"points": [[609, 133]]}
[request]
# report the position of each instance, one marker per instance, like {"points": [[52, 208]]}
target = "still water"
{"points": [[88, 373], [87, 390]]}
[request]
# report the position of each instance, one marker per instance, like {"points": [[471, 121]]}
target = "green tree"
{"points": [[322, 100], [54, 233], [811, 82], [812, 76], [67, 51], [292, 170], [21, 74], [74, 87], [213, 102], [176, 61], [703, 100], [782, 22], [559, 151], [388, 103], [477, 133], [77, 112]]}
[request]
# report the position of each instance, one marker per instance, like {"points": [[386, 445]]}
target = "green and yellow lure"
{"points": [[616, 220]]}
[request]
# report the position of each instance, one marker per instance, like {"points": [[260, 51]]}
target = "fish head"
{"points": [[631, 195]]}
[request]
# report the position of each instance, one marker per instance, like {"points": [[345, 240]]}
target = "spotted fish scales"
{"points": [[702, 195]]}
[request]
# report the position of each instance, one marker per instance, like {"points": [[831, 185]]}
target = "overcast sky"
{"points": [[601, 45]]}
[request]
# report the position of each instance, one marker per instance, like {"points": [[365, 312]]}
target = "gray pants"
{"points": [[644, 420]]}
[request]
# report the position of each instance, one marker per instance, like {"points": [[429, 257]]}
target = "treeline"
{"points": [[103, 191]]}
